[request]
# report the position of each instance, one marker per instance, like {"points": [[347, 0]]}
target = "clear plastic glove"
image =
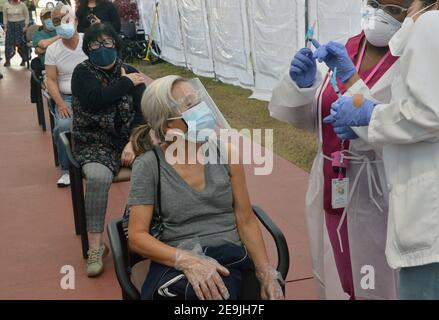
{"points": [[203, 273], [345, 133], [303, 69], [270, 280], [335, 55], [345, 114]]}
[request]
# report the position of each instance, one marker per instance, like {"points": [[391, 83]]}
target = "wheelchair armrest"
{"points": [[66, 142], [279, 238], [129, 290]]}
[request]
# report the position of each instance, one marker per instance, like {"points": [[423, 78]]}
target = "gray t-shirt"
{"points": [[207, 216]]}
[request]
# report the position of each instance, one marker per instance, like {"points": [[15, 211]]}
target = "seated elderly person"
{"points": [[45, 35], [41, 39], [197, 225], [62, 56], [106, 107]]}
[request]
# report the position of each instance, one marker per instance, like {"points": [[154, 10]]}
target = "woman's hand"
{"points": [[335, 55], [24, 29], [136, 78], [128, 155], [303, 69], [96, 20], [203, 273], [269, 279]]}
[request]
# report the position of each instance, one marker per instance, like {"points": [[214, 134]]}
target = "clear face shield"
{"points": [[204, 120]]}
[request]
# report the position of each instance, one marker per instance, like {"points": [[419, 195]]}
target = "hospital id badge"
{"points": [[340, 193]]}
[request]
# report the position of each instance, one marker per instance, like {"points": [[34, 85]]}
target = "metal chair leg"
{"points": [[74, 194], [40, 111], [81, 216], [55, 149]]}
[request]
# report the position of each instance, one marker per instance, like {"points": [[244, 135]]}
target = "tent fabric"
{"points": [[337, 19], [196, 39], [171, 37], [277, 29], [230, 41], [248, 43]]}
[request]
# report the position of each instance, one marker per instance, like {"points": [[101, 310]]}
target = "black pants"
{"points": [[165, 283]]}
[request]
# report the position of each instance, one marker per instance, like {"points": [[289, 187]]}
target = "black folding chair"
{"points": [[40, 103], [77, 191], [51, 109], [124, 260]]}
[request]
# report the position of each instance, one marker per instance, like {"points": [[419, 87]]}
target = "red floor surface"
{"points": [[36, 222]]}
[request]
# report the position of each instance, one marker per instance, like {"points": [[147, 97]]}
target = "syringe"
{"points": [[334, 83], [310, 35]]}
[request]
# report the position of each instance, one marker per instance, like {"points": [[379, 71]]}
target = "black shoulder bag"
{"points": [[156, 223]]}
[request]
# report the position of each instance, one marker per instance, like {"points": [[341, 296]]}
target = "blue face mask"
{"points": [[65, 30], [49, 24], [199, 118], [103, 57]]}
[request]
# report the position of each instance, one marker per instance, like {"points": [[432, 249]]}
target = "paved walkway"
{"points": [[36, 222]]}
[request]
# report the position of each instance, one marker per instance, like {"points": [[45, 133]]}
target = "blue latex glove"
{"points": [[335, 55], [344, 114], [345, 133], [303, 68]]}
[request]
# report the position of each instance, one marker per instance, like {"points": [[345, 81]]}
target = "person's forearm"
{"points": [[251, 236], [103, 97], [148, 246], [43, 44], [39, 51], [52, 87]]}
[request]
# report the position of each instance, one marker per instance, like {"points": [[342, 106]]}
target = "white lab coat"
{"points": [[408, 128], [366, 224]]}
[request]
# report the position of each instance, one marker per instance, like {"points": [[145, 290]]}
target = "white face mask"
{"points": [[399, 41], [379, 27]]}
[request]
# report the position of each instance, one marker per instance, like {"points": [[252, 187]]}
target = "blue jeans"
{"points": [[419, 283], [62, 125]]}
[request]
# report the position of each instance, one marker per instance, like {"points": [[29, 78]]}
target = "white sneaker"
{"points": [[64, 181]]}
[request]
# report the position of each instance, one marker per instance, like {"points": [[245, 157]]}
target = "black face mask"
{"points": [[103, 57]]}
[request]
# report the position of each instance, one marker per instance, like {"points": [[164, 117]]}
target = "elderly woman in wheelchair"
{"points": [[191, 215]]}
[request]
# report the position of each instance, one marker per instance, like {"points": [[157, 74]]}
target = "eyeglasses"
{"points": [[392, 9], [107, 43], [189, 101]]}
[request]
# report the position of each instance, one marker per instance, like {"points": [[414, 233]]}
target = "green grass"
{"points": [[295, 145]]}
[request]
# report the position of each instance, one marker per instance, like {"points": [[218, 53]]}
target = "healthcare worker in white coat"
{"points": [[346, 204], [408, 130]]}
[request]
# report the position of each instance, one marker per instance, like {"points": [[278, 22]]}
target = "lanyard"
{"points": [[376, 68]]}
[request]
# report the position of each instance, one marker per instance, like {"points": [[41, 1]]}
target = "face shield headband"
{"points": [[200, 113]]}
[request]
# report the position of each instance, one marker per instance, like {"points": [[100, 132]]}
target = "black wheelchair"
{"points": [[135, 45]]}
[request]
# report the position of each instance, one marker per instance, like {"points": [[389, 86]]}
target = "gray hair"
{"points": [[158, 105]]}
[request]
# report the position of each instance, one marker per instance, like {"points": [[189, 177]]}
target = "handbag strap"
{"points": [[159, 188]]}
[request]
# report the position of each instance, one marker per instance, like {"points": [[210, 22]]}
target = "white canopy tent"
{"points": [[248, 43]]}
